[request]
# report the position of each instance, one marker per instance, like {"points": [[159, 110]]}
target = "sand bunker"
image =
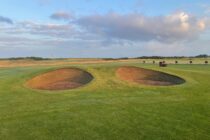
{"points": [[61, 79], [147, 77]]}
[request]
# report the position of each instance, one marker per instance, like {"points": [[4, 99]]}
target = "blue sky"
{"points": [[111, 28]]}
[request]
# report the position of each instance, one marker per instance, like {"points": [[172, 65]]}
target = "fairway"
{"points": [[104, 70], [106, 108]]}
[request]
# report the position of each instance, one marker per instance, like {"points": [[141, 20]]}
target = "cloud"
{"points": [[137, 27], [6, 20], [61, 15], [44, 29], [35, 29], [205, 8], [108, 35], [132, 27]]}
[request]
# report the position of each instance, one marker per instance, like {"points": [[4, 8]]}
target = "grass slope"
{"points": [[107, 108]]}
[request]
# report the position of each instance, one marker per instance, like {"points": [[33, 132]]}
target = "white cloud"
{"points": [[44, 29], [111, 35], [175, 27]]}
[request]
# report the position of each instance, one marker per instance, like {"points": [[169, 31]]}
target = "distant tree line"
{"points": [[173, 57], [202, 56], [150, 57], [27, 58], [122, 58], [160, 57]]}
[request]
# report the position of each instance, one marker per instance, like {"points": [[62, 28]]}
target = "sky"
{"points": [[109, 28]]}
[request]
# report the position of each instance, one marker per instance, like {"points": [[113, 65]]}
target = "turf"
{"points": [[107, 108]]}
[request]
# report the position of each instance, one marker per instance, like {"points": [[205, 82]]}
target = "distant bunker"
{"points": [[147, 77], [61, 79]]}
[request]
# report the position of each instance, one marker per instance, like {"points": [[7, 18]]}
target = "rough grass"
{"points": [[107, 108]]}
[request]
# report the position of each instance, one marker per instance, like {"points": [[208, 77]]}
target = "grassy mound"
{"points": [[147, 77], [61, 79]]}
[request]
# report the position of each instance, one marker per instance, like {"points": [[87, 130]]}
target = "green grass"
{"points": [[107, 108]]}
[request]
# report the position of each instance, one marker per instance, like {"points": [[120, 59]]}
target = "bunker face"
{"points": [[61, 79], [147, 77]]}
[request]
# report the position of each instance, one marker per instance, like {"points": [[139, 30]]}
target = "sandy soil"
{"points": [[66, 78], [147, 77]]}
